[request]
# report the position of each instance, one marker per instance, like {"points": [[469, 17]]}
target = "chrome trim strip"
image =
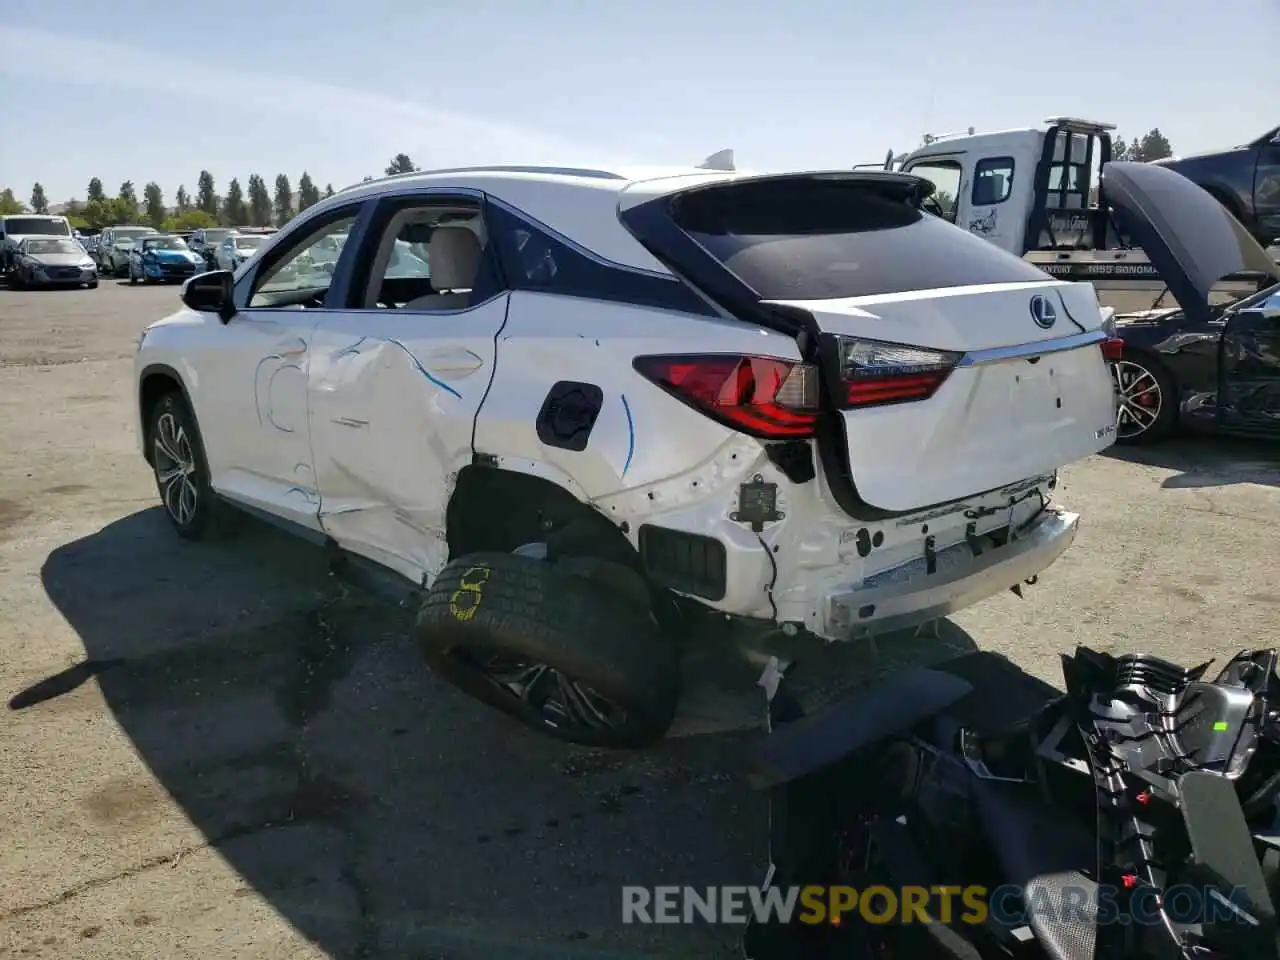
{"points": [[1025, 351]]}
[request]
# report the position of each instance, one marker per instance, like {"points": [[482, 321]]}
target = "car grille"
{"points": [[177, 269], [64, 273]]}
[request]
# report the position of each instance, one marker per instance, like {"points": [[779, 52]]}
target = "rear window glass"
{"points": [[36, 226], [817, 239]]}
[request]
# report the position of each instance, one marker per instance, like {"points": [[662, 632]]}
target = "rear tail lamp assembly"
{"points": [[760, 396], [1113, 346], [875, 374]]}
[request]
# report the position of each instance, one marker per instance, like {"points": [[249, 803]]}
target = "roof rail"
{"points": [[500, 168]]}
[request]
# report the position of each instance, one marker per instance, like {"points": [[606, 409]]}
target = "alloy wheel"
{"points": [[175, 465], [560, 702], [1140, 396]]}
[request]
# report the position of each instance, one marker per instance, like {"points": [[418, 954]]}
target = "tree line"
{"points": [[260, 207], [1153, 145], [256, 206]]}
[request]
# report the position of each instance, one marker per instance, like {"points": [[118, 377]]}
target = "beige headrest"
{"points": [[454, 256]]}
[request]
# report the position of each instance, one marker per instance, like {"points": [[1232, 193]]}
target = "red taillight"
{"points": [[761, 396], [1112, 349], [875, 373]]}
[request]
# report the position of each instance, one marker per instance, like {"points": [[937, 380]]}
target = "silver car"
{"points": [[235, 250], [114, 247], [53, 261]]}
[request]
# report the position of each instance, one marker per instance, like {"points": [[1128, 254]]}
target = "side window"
{"points": [[945, 175], [534, 258], [430, 255], [300, 274], [992, 181]]}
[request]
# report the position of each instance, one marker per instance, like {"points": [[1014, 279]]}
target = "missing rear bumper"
{"points": [[911, 594]]}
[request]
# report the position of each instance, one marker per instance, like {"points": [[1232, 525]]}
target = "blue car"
{"points": [[163, 259]]}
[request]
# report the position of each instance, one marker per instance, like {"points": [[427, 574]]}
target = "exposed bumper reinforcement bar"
{"points": [[908, 596]]}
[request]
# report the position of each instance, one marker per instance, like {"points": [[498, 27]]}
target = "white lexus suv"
{"points": [[598, 404]]}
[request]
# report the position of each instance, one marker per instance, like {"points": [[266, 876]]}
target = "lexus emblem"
{"points": [[1043, 313]]}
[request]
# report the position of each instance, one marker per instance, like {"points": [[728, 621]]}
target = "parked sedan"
{"points": [[53, 261], [235, 250], [163, 258]]}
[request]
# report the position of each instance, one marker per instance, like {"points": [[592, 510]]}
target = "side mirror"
{"points": [[210, 293]]}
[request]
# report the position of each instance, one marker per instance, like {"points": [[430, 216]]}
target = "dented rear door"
{"points": [[394, 394]]}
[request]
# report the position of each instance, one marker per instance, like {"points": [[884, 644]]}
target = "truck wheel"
{"points": [[568, 648]]}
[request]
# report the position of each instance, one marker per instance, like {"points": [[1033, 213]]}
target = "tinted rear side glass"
{"points": [[534, 258], [811, 238]]}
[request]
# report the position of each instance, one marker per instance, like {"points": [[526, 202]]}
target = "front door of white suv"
{"points": [[397, 378], [251, 391]]}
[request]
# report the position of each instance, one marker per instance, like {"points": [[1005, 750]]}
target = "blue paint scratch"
{"points": [[631, 435], [423, 370], [257, 398], [355, 348]]}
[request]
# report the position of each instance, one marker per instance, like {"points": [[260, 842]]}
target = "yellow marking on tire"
{"points": [[465, 601]]}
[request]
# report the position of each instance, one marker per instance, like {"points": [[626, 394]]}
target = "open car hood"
{"points": [[1186, 234]]}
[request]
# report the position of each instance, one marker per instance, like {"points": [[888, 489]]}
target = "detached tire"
{"points": [[565, 647]]}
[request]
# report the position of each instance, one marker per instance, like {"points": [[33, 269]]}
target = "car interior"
{"points": [[427, 260]]}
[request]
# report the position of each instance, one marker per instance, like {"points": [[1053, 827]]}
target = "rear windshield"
{"points": [[819, 239], [213, 236], [36, 226]]}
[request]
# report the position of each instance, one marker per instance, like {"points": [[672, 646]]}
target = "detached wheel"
{"points": [[567, 648], [1148, 399], [182, 471]]}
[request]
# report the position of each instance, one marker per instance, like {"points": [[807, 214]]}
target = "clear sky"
{"points": [[159, 89]]}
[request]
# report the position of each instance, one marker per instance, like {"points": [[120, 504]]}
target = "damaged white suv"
{"points": [[577, 406]]}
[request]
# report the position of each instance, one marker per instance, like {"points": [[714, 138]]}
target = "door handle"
{"points": [[454, 362]]}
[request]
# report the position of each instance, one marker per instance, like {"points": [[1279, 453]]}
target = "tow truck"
{"points": [[1037, 193]]}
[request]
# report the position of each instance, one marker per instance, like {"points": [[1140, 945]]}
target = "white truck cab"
{"points": [[1030, 190], [1037, 193]]}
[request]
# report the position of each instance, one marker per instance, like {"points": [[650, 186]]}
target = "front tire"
{"points": [[1148, 399], [574, 655], [182, 471]]}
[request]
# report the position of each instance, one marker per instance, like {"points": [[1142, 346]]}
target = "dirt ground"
{"points": [[220, 752]]}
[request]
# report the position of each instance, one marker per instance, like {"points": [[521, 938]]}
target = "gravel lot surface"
{"points": [[220, 752]]}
